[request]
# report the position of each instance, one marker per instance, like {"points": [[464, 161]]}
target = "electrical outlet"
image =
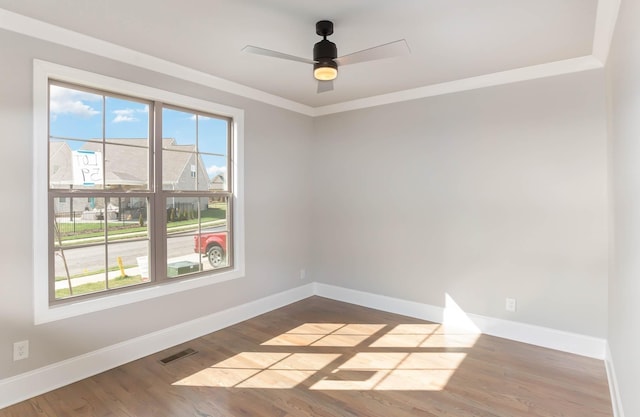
{"points": [[303, 273], [21, 350], [510, 305]]}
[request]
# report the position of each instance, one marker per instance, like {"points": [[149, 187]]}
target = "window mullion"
{"points": [[158, 232], [106, 195]]}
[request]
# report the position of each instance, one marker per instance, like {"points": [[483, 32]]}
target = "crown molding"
{"points": [[551, 69], [45, 31], [606, 16]]}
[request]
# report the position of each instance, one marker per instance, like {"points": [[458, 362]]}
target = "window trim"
{"points": [[45, 312]]}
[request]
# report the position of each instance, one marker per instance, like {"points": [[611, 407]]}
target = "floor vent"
{"points": [[179, 355]]}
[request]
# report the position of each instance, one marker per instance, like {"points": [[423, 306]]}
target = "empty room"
{"points": [[342, 208]]}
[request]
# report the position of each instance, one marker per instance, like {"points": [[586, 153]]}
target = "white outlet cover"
{"points": [[510, 304], [21, 350]]}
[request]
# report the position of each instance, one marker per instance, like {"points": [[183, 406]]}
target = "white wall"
{"points": [[624, 286], [277, 146], [493, 193]]}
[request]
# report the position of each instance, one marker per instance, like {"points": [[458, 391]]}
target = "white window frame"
{"points": [[45, 312]]}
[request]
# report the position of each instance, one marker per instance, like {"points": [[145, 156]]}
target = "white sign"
{"points": [[87, 167]]}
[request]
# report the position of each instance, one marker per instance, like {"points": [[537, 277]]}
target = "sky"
{"points": [[76, 114]]}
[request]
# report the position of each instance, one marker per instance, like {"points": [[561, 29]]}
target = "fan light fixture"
{"points": [[325, 71], [325, 55]]}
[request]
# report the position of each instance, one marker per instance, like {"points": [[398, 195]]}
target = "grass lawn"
{"points": [[91, 287], [85, 230]]}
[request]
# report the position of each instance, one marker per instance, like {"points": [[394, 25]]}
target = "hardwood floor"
{"points": [[324, 358]]}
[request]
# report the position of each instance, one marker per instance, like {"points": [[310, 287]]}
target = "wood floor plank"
{"points": [[323, 358]]}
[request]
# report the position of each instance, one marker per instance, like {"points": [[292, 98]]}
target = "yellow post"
{"points": [[121, 265]]}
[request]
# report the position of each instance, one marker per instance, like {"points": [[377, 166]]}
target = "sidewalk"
{"points": [[193, 257]]}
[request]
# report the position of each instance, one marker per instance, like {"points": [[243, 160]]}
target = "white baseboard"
{"points": [[536, 335], [27, 385], [39, 381], [380, 302], [616, 401]]}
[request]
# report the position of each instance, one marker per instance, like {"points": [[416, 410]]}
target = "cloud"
{"points": [[124, 115], [199, 118], [214, 170], [66, 101]]}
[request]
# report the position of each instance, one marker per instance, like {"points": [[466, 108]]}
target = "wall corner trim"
{"points": [[616, 401], [606, 19]]}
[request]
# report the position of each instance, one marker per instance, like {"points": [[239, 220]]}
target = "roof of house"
{"points": [[60, 167], [218, 179], [126, 161]]}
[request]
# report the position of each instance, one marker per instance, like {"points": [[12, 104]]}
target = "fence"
{"points": [[94, 221]]}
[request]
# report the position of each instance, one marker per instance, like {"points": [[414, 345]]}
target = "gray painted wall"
{"points": [[277, 144], [482, 195], [624, 287]]}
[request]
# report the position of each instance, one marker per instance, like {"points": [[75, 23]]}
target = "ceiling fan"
{"points": [[325, 55]]}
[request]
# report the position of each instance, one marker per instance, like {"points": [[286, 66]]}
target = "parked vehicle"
{"points": [[214, 246]]}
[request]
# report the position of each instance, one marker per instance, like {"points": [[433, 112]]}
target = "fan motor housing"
{"points": [[325, 50]]}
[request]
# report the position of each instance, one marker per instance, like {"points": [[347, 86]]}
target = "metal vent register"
{"points": [[179, 355]]}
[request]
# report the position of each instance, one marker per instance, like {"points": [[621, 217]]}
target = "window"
{"points": [[131, 205]]}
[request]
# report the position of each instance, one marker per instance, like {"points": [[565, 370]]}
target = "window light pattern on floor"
{"points": [[345, 356]]}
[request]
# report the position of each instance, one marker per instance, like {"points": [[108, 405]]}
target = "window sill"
{"points": [[48, 313]]}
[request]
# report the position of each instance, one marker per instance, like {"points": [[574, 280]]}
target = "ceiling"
{"points": [[450, 40]]}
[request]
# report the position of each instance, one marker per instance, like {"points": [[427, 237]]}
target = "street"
{"points": [[89, 259]]}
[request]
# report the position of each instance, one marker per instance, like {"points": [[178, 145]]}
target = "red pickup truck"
{"points": [[214, 246]]}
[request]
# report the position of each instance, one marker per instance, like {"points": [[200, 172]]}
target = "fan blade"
{"points": [[388, 50], [324, 86], [275, 54]]}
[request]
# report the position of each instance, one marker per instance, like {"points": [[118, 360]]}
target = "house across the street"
{"points": [[126, 167]]}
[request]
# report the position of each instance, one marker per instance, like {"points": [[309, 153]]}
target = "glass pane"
{"points": [[212, 145], [83, 260], [75, 164], [74, 114], [60, 165], [212, 135], [127, 164], [178, 128], [195, 151], [196, 235], [213, 243], [216, 168], [127, 144], [132, 233], [126, 119], [183, 223], [182, 171], [128, 237], [128, 263], [79, 245], [75, 122]]}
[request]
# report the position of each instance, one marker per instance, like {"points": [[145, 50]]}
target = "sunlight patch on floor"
{"points": [[409, 357], [419, 371], [325, 334]]}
